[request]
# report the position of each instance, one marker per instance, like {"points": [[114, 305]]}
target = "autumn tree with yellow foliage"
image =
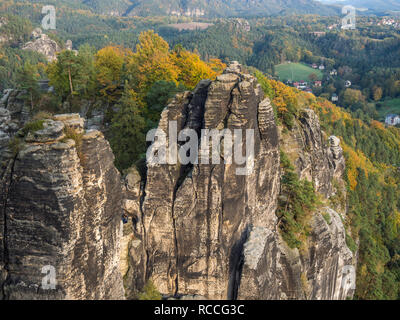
{"points": [[284, 99], [150, 63], [192, 69], [109, 63], [154, 61]]}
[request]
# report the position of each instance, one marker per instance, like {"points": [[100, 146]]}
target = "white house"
{"points": [[335, 97], [392, 119]]}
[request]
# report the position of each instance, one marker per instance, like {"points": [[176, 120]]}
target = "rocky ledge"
{"points": [[60, 215]]}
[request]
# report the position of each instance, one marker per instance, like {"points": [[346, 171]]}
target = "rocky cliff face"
{"points": [[41, 43], [202, 230], [60, 213], [317, 157]]}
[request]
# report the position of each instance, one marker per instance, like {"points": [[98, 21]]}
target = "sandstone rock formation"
{"points": [[312, 153], [60, 206], [271, 270], [197, 231], [42, 43], [202, 230], [13, 101]]}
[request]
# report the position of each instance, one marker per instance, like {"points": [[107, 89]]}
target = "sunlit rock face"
{"points": [[205, 231], [60, 214]]}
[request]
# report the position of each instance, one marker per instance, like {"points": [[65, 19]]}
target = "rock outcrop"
{"points": [[272, 270], [197, 231], [203, 230], [42, 43], [60, 214], [317, 158], [13, 100]]}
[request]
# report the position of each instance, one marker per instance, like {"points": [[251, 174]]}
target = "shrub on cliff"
{"points": [[33, 126], [297, 201], [150, 292]]}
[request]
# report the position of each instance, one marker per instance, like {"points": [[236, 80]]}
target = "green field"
{"points": [[388, 107], [296, 72]]}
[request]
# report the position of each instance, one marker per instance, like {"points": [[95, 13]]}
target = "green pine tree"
{"points": [[27, 78], [127, 130]]}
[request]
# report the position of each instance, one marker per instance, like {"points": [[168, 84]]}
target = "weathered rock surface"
{"points": [[272, 270], [13, 101], [198, 231], [42, 43], [316, 157], [203, 230], [61, 207]]}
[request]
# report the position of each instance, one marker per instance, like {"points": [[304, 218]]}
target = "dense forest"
{"points": [[207, 8], [131, 87], [368, 57]]}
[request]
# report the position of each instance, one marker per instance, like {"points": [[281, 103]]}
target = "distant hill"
{"points": [[207, 8], [372, 5], [112, 8]]}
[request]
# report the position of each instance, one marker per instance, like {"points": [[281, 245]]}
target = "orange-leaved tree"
{"points": [[192, 69], [150, 63]]}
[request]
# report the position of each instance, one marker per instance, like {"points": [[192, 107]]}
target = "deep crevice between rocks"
{"points": [[183, 174], [236, 262]]}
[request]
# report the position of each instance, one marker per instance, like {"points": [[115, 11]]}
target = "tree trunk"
{"points": [[70, 80], [31, 101]]}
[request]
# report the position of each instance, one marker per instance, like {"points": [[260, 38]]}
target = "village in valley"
{"points": [[340, 82], [314, 80], [315, 76]]}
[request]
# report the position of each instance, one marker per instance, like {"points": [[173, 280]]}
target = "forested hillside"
{"points": [[379, 6], [368, 57], [202, 8], [373, 178]]}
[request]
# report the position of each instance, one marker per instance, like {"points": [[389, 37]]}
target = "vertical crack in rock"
{"points": [[236, 266], [175, 238]]}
